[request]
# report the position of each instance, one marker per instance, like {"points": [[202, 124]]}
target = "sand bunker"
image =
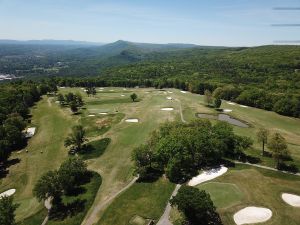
{"points": [[124, 89], [132, 120], [30, 131], [169, 98], [207, 175], [231, 103], [111, 90], [91, 115], [7, 193], [293, 200], [122, 95], [227, 110], [183, 92], [103, 113], [101, 88], [170, 92], [251, 215], [167, 109], [243, 106]]}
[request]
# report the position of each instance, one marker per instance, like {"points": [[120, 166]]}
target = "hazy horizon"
{"points": [[213, 23]]}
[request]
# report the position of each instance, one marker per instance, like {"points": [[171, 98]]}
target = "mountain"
{"points": [[50, 42]]}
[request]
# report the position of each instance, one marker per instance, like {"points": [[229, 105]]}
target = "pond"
{"points": [[223, 117]]}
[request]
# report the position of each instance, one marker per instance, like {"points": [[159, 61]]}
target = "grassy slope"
{"points": [[52, 127], [146, 200]]}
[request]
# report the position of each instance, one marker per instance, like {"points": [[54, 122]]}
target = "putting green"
{"points": [[222, 194]]}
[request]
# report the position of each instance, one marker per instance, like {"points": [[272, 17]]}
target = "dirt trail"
{"points": [[93, 215], [164, 219]]}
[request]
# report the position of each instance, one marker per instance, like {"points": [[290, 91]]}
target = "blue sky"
{"points": [[205, 22]]}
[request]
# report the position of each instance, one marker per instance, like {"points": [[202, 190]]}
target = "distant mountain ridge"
{"points": [[50, 42]]}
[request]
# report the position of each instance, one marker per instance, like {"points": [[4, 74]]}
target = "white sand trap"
{"points": [[8, 193], [183, 92], [167, 109], [170, 92], [111, 90], [293, 200], [207, 175], [30, 131], [57, 102], [251, 215], [124, 89], [62, 87], [91, 115], [132, 120], [82, 88], [169, 98], [227, 110], [243, 106], [231, 103], [122, 95], [101, 88], [103, 113]]}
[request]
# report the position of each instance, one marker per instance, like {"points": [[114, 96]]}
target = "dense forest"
{"points": [[266, 77]]}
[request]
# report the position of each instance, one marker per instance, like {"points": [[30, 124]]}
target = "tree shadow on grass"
{"points": [[292, 168], [4, 166], [76, 191], [61, 211], [150, 176]]}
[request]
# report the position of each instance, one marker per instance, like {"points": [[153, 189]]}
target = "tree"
{"points": [[196, 206], [133, 96], [262, 137], [208, 97], [73, 106], [61, 99], [91, 91], [76, 139], [49, 186], [277, 144], [71, 173], [7, 210], [79, 100], [217, 102]]}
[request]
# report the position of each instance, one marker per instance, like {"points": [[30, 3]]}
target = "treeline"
{"points": [[15, 100], [284, 103]]}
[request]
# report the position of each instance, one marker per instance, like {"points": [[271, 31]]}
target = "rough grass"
{"points": [[100, 124], [146, 200]]}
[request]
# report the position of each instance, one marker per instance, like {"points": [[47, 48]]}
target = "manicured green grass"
{"points": [[262, 188], [95, 149], [146, 200], [222, 194]]}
